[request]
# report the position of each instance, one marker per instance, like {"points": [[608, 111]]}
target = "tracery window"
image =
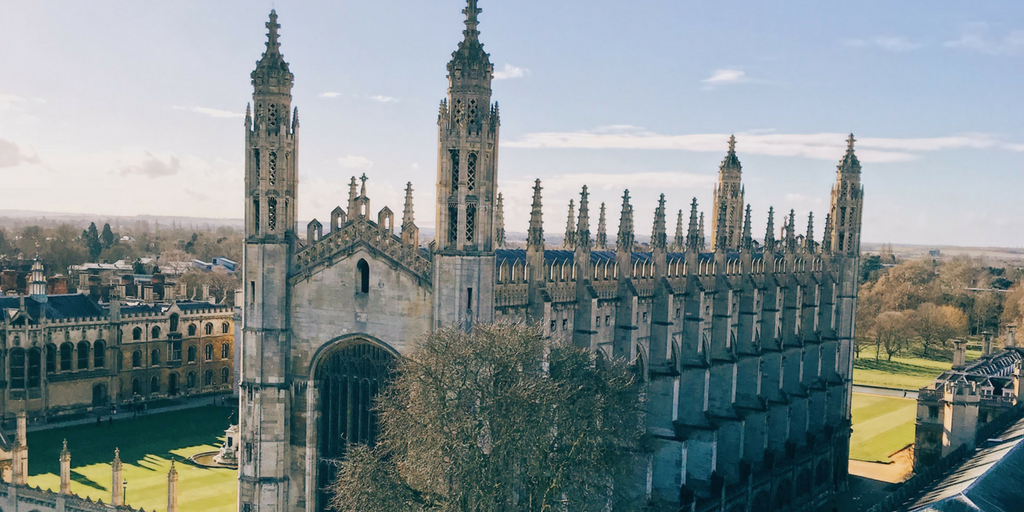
{"points": [[208, 352], [471, 172], [224, 350], [99, 350], [455, 169], [453, 223], [470, 222], [256, 158], [272, 168], [271, 213], [272, 116], [51, 358], [83, 355], [65, 356], [17, 359], [35, 367]]}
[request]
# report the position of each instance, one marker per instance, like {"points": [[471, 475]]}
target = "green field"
{"points": [[911, 373], [147, 445], [881, 426]]}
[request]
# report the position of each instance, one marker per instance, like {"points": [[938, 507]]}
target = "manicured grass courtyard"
{"points": [[911, 373], [148, 444], [881, 426]]}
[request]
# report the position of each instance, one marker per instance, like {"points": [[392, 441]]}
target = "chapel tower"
{"points": [[467, 167], [847, 202], [727, 212], [271, 183]]}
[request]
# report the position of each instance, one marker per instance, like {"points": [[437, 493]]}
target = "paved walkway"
{"points": [[896, 393], [124, 414]]}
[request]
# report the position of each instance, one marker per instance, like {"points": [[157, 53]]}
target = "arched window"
{"points": [[208, 378], [83, 355], [225, 350], [137, 333], [154, 357], [136, 387], [224, 328], [174, 323], [192, 353], [208, 352], [17, 358], [190, 380], [363, 275], [35, 368], [51, 358], [155, 332], [209, 329], [137, 359], [172, 384], [225, 375], [99, 354], [154, 385], [192, 329]]}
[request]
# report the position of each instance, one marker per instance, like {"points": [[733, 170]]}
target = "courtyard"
{"points": [[147, 446]]}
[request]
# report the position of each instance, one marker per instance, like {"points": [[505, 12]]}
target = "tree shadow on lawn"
{"points": [[897, 368], [148, 435], [86, 481]]}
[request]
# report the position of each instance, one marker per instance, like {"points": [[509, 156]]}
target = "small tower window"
{"points": [[272, 175], [271, 214], [453, 223], [471, 172], [363, 274], [455, 169], [470, 222], [256, 216], [256, 159]]}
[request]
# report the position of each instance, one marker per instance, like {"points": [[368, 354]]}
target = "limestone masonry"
{"points": [[746, 350]]}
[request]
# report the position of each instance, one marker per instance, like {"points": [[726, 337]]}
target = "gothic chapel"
{"points": [[746, 348]]}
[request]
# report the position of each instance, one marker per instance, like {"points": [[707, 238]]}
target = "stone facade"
{"points": [[746, 350], [65, 354]]}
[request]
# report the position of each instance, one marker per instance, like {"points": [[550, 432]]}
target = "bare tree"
{"points": [[496, 419], [936, 325], [893, 332]]}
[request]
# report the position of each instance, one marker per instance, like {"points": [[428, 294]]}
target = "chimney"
{"points": [[986, 344], [206, 292], [959, 354]]}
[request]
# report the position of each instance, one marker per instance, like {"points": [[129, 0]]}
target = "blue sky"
{"points": [[124, 107]]}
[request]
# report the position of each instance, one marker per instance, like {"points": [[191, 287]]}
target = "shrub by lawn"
{"points": [[881, 426], [148, 444]]}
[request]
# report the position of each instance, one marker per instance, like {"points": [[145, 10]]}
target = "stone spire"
{"points": [[826, 239], [583, 225], [693, 235], [470, 58], [658, 235], [410, 233], [731, 162], [407, 212], [769, 234], [809, 238], [535, 236], [472, 12], [272, 71], [791, 231], [847, 205], [499, 222], [747, 241], [727, 213], [116, 491], [352, 195], [172, 489], [65, 469], [570, 228], [626, 238], [679, 241], [602, 231], [849, 164], [703, 239]]}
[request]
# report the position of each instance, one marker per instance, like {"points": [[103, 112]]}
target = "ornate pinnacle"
{"points": [[826, 239], [499, 222], [791, 231], [659, 236], [602, 232], [693, 236], [471, 11], [809, 238], [64, 450], [583, 225], [747, 243], [273, 46], [769, 234], [407, 214], [849, 163], [362, 188], [570, 227], [295, 119], [677, 244], [721, 234], [535, 237], [625, 239], [731, 161], [700, 229], [352, 198]]}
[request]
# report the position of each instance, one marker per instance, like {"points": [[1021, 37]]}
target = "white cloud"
{"points": [[211, 112], [726, 76], [511, 71], [355, 162], [976, 37], [825, 146], [153, 166], [12, 155], [330, 95], [383, 99], [897, 44]]}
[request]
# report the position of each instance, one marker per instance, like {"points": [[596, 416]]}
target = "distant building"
{"points": [[222, 264], [950, 410], [934, 253]]}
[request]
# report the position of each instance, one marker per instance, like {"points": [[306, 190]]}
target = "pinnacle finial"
{"points": [[826, 239], [602, 230], [769, 235], [569, 242], [747, 243], [732, 144], [273, 45], [700, 231], [849, 164], [362, 189], [499, 222], [849, 143], [693, 236], [535, 237], [472, 11], [731, 161], [407, 214], [626, 238], [677, 244], [809, 238], [659, 236], [583, 224]]}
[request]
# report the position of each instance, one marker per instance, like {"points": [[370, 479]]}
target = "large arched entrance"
{"points": [[348, 379]]}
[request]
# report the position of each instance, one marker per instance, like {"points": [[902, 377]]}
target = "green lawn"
{"points": [[147, 446], [911, 373], [881, 426]]}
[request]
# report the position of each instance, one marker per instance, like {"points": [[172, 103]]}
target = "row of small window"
{"points": [[192, 329], [154, 356], [597, 321], [190, 382]]}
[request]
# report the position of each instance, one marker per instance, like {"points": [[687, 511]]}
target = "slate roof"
{"points": [[561, 255], [56, 306]]}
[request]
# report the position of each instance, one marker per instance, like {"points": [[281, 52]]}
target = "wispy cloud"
{"points": [[153, 166], [726, 76], [330, 94], [977, 37], [896, 44], [211, 112], [825, 146], [355, 162], [12, 155], [383, 99], [511, 71]]}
